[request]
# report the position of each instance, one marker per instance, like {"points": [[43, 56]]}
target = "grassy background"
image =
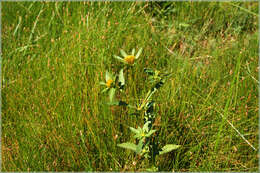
{"points": [[55, 54]]}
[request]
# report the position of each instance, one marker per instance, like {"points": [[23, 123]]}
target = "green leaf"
{"points": [[137, 136], [149, 71], [185, 25], [139, 147], [128, 145], [120, 59], [112, 94], [121, 78], [104, 90], [149, 107], [136, 131], [115, 103], [133, 52], [150, 133], [168, 148], [158, 85], [108, 76], [152, 169], [102, 83], [145, 127], [132, 107], [123, 53], [138, 53]]}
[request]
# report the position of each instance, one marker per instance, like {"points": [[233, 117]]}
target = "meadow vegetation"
{"points": [[55, 54]]}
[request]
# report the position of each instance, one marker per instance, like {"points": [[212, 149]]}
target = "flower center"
{"points": [[109, 83], [130, 59]]}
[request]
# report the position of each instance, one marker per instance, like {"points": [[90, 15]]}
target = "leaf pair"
{"points": [[141, 133], [138, 148]]}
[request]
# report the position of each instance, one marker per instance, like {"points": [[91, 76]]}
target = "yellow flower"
{"points": [[130, 59], [109, 83]]}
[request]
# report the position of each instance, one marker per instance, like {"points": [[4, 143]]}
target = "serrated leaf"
{"points": [[123, 53], [139, 147], [137, 136], [138, 53], [111, 94], [150, 133], [168, 148], [128, 145], [136, 131]]}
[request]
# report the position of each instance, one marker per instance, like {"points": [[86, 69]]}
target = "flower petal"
{"points": [[138, 53], [102, 83], [123, 53], [133, 51], [120, 59], [121, 78]]}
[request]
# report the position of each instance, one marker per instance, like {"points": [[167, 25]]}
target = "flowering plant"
{"points": [[146, 145]]}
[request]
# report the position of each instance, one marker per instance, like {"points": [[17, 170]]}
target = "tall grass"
{"points": [[55, 53]]}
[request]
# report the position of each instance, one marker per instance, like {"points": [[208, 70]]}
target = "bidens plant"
{"points": [[146, 145]]}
